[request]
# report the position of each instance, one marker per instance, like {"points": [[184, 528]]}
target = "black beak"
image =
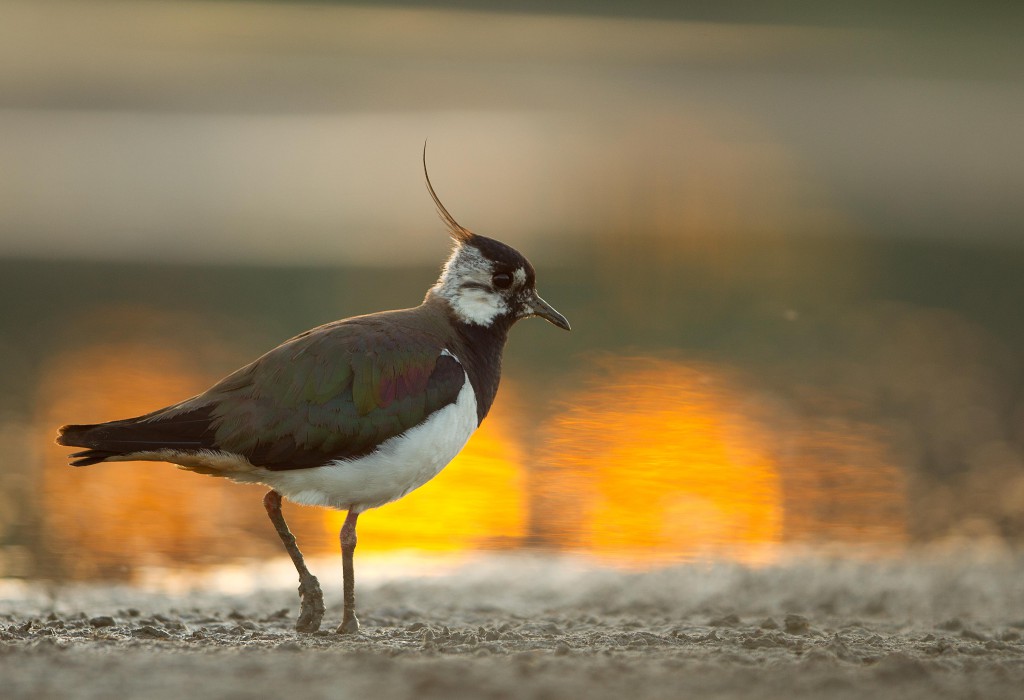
{"points": [[541, 308]]}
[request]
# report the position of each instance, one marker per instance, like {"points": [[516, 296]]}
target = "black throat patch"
{"points": [[479, 349]]}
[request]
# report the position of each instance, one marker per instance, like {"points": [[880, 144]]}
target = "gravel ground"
{"points": [[526, 627]]}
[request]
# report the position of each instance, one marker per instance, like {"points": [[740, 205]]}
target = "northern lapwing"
{"points": [[353, 414]]}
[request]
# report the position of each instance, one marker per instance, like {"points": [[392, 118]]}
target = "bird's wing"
{"points": [[335, 392]]}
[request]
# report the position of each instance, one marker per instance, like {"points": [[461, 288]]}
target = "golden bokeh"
{"points": [[658, 463]]}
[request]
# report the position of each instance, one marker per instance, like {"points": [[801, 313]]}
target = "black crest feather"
{"points": [[455, 229]]}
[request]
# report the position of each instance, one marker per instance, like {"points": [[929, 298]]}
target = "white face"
{"points": [[466, 283]]}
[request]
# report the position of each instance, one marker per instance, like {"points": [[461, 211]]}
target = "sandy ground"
{"points": [[941, 626]]}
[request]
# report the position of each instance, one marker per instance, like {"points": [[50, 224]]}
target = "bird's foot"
{"points": [[349, 625], [312, 610]]}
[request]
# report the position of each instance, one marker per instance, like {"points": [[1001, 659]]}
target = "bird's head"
{"points": [[487, 283]]}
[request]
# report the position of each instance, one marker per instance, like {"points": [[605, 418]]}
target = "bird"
{"points": [[350, 415]]}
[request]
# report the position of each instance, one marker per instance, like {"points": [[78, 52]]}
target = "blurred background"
{"points": [[790, 240]]}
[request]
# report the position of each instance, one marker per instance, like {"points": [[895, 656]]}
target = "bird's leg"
{"points": [[312, 607], [349, 622]]}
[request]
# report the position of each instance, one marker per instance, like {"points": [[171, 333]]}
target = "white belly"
{"points": [[398, 466]]}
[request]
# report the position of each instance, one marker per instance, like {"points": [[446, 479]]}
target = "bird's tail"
{"points": [[165, 430], [90, 436]]}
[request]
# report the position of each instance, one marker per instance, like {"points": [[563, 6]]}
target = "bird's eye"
{"points": [[502, 280]]}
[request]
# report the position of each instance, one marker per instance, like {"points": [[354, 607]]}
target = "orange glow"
{"points": [[660, 463], [666, 461], [479, 501]]}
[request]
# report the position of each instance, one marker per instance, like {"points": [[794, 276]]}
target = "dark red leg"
{"points": [[312, 608], [349, 622]]}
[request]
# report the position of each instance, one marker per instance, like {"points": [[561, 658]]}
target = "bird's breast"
{"points": [[399, 465]]}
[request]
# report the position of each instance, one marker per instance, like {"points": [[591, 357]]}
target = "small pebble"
{"points": [[150, 632]]}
